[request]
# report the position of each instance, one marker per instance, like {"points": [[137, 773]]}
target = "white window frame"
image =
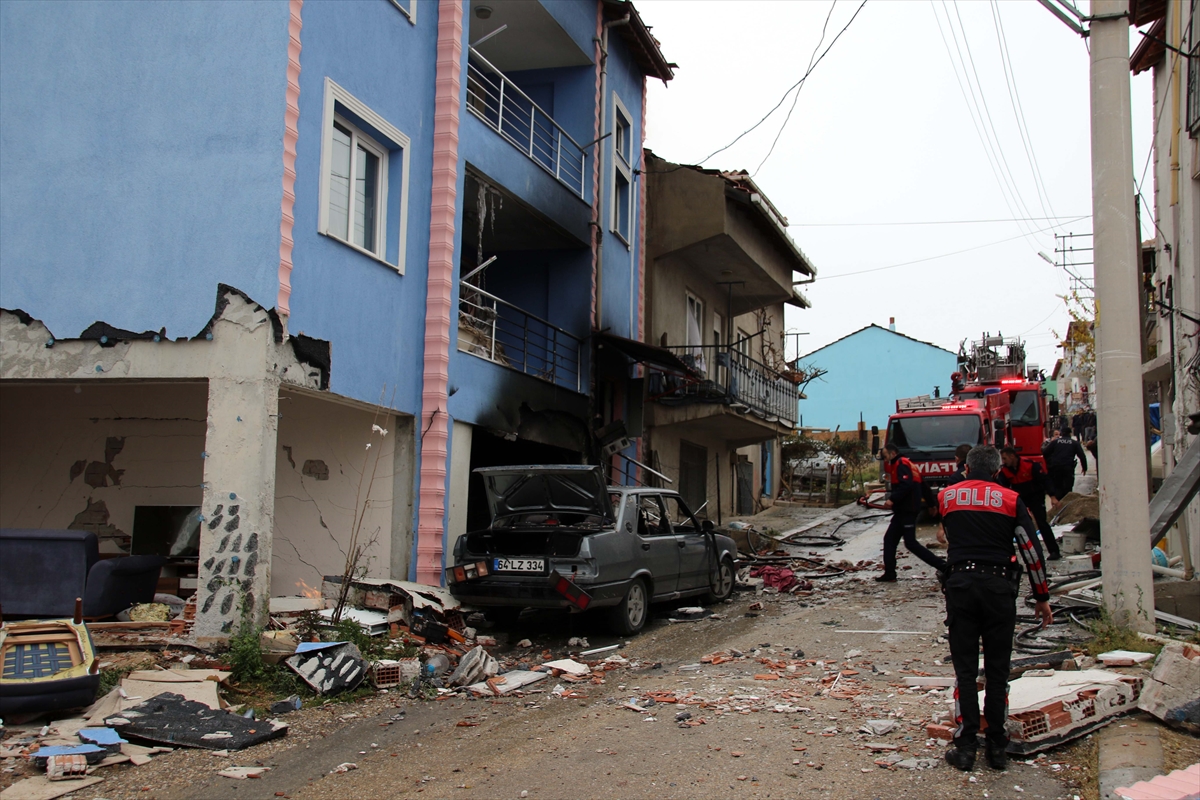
{"points": [[693, 300], [410, 12], [335, 95], [622, 164]]}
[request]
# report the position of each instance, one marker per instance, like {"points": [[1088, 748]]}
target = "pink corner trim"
{"points": [[641, 260], [439, 300], [290, 134], [598, 230]]}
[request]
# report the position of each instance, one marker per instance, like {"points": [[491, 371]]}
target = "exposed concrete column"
{"points": [[239, 475], [1124, 498]]}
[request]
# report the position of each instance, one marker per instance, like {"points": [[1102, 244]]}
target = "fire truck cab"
{"points": [[995, 365], [927, 430]]}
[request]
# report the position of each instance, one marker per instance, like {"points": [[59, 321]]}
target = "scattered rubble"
{"points": [[1172, 692]]}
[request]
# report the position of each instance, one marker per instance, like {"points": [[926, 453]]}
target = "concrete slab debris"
{"points": [[241, 773], [511, 682], [878, 727], [477, 665], [1172, 692], [1046, 710], [569, 666], [171, 719], [928, 681], [1123, 658]]}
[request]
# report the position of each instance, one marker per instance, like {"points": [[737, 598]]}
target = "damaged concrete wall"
{"points": [[244, 355], [323, 472], [84, 455]]}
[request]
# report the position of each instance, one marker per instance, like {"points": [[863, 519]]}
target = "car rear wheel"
{"points": [[629, 616], [721, 583]]}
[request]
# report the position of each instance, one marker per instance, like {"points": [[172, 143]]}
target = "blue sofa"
{"points": [[43, 571]]}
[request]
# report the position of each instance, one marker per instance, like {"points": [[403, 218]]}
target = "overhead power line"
{"points": [[932, 222], [796, 99], [794, 87], [991, 125], [1014, 96], [972, 92], [939, 256]]}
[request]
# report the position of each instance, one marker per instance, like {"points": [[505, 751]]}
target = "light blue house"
{"points": [[867, 371], [295, 268]]}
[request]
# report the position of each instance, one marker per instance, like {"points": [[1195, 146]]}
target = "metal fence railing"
{"points": [[510, 112], [734, 379], [499, 331]]}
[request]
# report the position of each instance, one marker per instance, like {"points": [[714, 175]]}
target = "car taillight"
{"points": [[466, 572], [573, 594]]}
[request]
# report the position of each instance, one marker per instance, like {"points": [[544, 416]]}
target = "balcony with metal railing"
{"points": [[734, 380], [498, 331], [507, 110]]}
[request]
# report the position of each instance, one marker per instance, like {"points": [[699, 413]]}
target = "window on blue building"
{"points": [[408, 8], [356, 180], [364, 179], [622, 174]]}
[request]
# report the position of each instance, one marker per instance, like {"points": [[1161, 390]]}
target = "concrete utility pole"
{"points": [[1124, 496]]}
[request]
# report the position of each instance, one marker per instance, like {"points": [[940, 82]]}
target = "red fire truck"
{"points": [[995, 365], [927, 430]]}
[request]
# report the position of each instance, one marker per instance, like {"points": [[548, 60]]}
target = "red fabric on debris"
{"points": [[781, 578]]}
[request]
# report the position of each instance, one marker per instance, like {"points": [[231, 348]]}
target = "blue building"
{"points": [[291, 270], [868, 370]]}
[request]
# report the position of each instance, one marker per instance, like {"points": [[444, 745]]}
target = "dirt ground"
{"points": [[797, 735]]}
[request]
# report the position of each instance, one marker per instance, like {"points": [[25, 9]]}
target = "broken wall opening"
{"points": [[110, 457], [324, 471]]}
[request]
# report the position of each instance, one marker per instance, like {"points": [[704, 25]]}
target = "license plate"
{"points": [[519, 565]]}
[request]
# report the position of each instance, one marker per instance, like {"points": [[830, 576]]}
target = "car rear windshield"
{"points": [[942, 432]]}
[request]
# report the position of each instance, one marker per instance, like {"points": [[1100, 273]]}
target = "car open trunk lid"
{"points": [[557, 489]]}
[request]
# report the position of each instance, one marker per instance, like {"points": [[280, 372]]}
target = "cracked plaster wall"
{"points": [[84, 455], [314, 516]]}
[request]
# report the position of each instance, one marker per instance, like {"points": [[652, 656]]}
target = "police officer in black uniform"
{"points": [[982, 522], [905, 500], [1031, 483], [1060, 455]]}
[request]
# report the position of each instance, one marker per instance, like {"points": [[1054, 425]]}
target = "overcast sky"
{"points": [[882, 133]]}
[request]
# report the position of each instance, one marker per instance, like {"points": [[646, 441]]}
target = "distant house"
{"points": [[867, 371]]}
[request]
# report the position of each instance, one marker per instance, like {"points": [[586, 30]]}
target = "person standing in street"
{"points": [[1031, 483], [905, 500], [1060, 454], [983, 521]]}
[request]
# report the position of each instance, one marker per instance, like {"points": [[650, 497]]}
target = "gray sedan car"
{"points": [[626, 547]]}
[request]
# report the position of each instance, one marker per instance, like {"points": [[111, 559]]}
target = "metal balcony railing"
{"points": [[499, 331], [736, 380], [508, 111]]}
